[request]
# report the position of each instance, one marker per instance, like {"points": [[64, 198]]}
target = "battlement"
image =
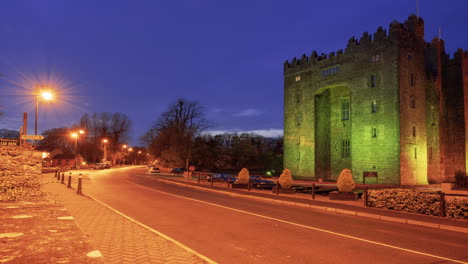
{"points": [[413, 26]]}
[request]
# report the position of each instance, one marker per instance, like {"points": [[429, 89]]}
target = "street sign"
{"points": [[32, 137], [8, 142], [191, 168]]}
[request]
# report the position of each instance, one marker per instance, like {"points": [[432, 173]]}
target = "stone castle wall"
{"points": [[20, 168]]}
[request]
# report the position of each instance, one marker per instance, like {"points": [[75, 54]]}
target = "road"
{"points": [[234, 230]]}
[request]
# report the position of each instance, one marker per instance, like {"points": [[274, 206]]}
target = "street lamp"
{"points": [[104, 142], [123, 153], [76, 135], [131, 160], [44, 95]]}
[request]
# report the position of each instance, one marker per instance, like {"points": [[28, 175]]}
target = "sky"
{"points": [[137, 57]]}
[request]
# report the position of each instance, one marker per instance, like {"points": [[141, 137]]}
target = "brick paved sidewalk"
{"points": [[119, 239]]}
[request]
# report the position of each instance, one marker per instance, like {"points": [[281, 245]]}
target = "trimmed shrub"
{"points": [[416, 202], [285, 179], [460, 179], [345, 181], [244, 176]]}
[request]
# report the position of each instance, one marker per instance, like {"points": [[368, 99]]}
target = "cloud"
{"points": [[248, 112], [271, 133]]}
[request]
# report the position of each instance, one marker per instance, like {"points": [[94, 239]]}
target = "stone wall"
{"points": [[20, 168]]}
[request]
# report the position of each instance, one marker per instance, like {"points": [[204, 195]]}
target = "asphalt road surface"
{"points": [[235, 230]]}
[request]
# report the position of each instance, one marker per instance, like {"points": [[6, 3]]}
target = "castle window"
{"points": [[375, 58], [410, 58], [412, 102], [345, 110], [345, 148], [330, 71], [374, 132], [374, 107], [415, 153], [373, 80], [298, 119], [412, 79], [298, 78], [414, 131]]}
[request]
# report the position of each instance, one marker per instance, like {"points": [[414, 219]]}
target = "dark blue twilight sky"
{"points": [[136, 57]]}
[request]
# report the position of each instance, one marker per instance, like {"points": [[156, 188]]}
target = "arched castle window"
{"points": [[412, 102]]}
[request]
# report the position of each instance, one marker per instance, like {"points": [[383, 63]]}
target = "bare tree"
{"points": [[173, 134]]}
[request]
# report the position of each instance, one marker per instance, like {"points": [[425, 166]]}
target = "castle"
{"points": [[392, 108]]}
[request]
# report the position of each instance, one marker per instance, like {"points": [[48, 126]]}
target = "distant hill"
{"points": [[6, 133]]}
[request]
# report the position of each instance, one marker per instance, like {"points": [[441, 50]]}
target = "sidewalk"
{"points": [[118, 239], [322, 203]]}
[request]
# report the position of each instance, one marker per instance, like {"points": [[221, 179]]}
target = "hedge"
{"points": [[416, 202]]}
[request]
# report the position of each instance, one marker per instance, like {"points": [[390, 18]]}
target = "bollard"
{"points": [[313, 191], [69, 180], [366, 196], [58, 175], [55, 176], [228, 181], [62, 181], [80, 182], [442, 212], [277, 188]]}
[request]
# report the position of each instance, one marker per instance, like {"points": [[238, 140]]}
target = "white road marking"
{"points": [[305, 226], [156, 232]]}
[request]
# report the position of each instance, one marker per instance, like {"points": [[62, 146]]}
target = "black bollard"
{"points": [[62, 181], [366, 196], [80, 182], [442, 212], [55, 173], [313, 191], [69, 180]]}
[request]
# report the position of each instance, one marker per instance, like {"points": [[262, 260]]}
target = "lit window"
{"points": [[345, 110], [345, 148], [374, 107], [298, 78]]}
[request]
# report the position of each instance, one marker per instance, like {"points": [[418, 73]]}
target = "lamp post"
{"points": [[75, 135], [104, 142], [130, 150], [45, 95], [123, 153], [138, 157]]}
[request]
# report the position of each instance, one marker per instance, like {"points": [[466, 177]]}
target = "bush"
{"points": [[285, 179], [414, 202], [460, 179], [244, 176], [345, 181]]}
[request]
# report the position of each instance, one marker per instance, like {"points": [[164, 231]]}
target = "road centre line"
{"points": [[156, 232], [304, 226]]}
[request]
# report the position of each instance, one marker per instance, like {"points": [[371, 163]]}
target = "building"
{"points": [[391, 107]]}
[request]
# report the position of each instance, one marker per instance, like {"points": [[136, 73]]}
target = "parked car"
{"points": [[223, 177], [153, 170], [177, 170], [101, 166], [258, 182]]}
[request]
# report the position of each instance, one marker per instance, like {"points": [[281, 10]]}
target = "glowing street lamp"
{"points": [[76, 135], [104, 142], [45, 96]]}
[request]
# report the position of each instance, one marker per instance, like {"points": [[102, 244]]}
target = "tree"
{"points": [[173, 133], [58, 138], [113, 127]]}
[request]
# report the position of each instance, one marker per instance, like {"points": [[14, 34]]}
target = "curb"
{"points": [[328, 209]]}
